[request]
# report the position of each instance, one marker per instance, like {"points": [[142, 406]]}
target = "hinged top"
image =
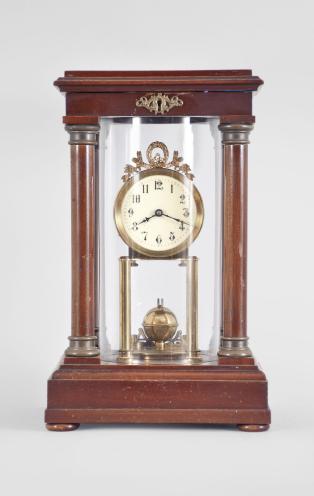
{"points": [[129, 81]]}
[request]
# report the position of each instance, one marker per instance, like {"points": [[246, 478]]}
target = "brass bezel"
{"points": [[170, 251]]}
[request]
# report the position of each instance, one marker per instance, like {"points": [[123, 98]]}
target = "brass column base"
{"points": [[234, 347], [82, 346]]}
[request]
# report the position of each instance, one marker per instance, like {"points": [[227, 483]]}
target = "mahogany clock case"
{"points": [[230, 388]]}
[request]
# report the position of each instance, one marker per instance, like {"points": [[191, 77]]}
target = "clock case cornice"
{"points": [[113, 81], [223, 93]]}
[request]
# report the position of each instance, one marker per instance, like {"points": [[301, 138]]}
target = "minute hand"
{"points": [[178, 220]]}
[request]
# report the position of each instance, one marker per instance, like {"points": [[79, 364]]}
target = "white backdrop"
{"points": [[39, 40]]}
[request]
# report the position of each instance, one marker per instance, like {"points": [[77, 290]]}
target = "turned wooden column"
{"points": [[235, 139], [83, 141]]}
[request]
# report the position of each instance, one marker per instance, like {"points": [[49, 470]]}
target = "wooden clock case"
{"points": [[85, 389]]}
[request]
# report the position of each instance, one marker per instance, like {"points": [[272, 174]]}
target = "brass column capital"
{"points": [[235, 134], [83, 134]]}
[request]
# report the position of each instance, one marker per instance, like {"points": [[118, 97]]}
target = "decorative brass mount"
{"points": [[157, 160], [160, 103]]}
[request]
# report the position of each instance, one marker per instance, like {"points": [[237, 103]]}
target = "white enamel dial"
{"points": [[159, 213]]}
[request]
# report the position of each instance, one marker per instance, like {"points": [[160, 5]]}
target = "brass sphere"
{"points": [[160, 323]]}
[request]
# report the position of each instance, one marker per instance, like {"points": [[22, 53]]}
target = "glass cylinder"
{"points": [[162, 302]]}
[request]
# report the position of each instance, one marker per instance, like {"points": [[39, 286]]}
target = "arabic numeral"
{"points": [[134, 226], [172, 236], [159, 239], [158, 185]]}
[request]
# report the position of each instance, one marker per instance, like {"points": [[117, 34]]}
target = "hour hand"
{"points": [[146, 219]]}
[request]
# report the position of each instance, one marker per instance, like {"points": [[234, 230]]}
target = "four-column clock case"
{"points": [[159, 252]]}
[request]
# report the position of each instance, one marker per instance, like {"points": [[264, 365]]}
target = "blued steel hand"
{"points": [[158, 213], [178, 220], [146, 219]]}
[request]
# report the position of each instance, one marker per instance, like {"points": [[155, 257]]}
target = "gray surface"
{"points": [[38, 41]]}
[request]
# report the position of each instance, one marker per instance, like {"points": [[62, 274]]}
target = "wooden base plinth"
{"points": [[222, 392]]}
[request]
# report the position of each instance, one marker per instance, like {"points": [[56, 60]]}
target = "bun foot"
{"points": [[62, 427], [253, 427]]}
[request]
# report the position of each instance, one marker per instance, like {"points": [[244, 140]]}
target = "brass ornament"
{"points": [[159, 335], [157, 160], [159, 103], [160, 324]]}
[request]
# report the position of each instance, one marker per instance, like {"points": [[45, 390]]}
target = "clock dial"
{"points": [[159, 213]]}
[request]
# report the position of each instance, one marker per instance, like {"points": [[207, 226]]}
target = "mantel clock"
{"points": [[159, 252]]}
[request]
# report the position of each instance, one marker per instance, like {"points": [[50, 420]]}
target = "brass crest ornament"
{"points": [[157, 159], [160, 103]]}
